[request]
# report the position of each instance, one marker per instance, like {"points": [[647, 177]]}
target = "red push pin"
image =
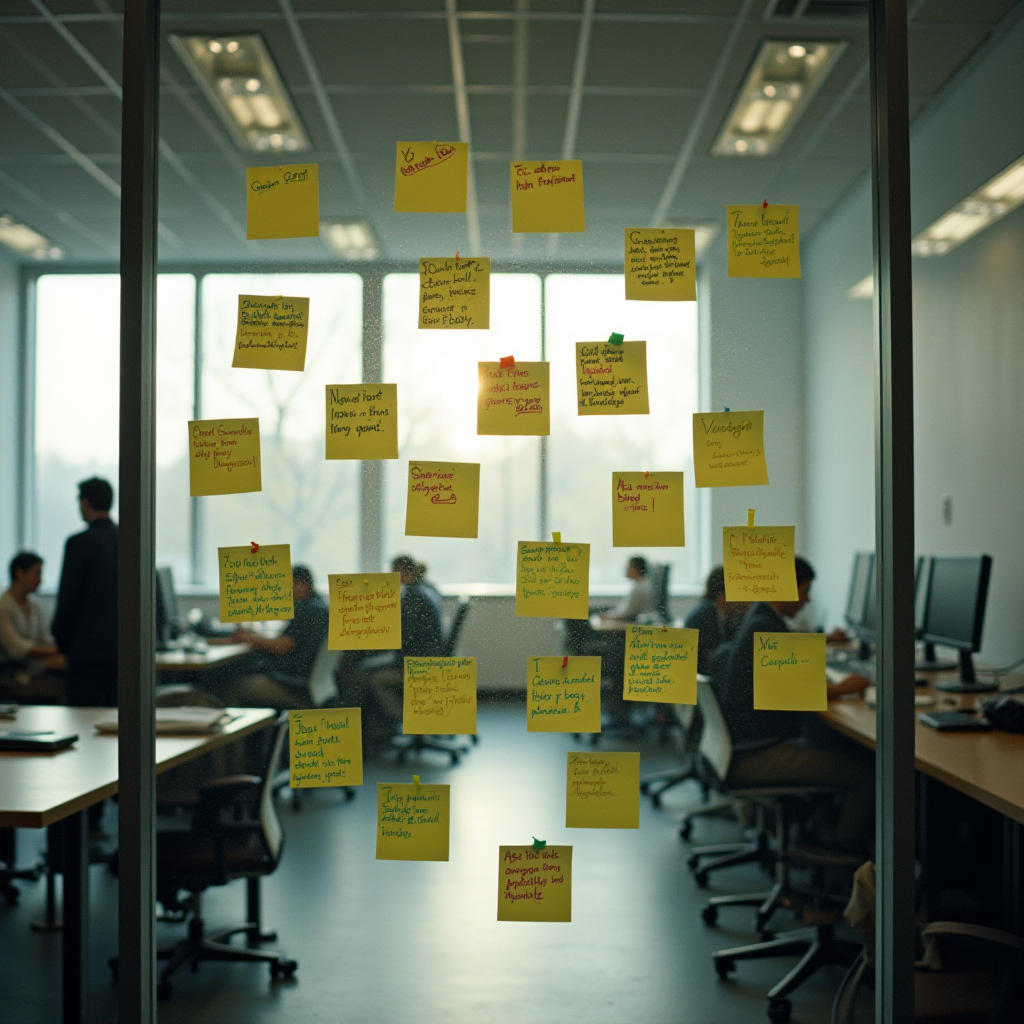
{"points": [[255, 546], [765, 205], [457, 251], [647, 474], [565, 662], [507, 362]]}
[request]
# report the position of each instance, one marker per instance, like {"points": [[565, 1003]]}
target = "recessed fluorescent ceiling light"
{"points": [[995, 199], [239, 78], [779, 85], [350, 239], [863, 289], [23, 239]]}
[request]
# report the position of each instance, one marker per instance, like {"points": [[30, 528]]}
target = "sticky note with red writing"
{"points": [[763, 241], [443, 500], [547, 195], [430, 177], [611, 380], [760, 563], [647, 510], [535, 885], [514, 399], [283, 202], [365, 611]]}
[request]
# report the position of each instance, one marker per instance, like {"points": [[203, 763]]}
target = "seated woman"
{"points": [[28, 654], [641, 599]]}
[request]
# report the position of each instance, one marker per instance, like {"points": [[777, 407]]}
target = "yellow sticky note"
{"points": [[547, 195], [440, 697], [255, 586], [535, 885], [647, 510], [553, 580], [455, 294], [563, 699], [224, 457], [661, 264], [271, 332], [611, 380], [763, 241], [413, 821], [760, 563], [789, 672], [430, 177], [514, 399], [325, 748], [444, 499], [283, 202], [661, 665], [602, 790], [728, 449], [365, 611], [362, 421]]}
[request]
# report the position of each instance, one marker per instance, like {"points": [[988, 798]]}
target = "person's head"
{"points": [[636, 568], [804, 579], [26, 570], [714, 585], [302, 582], [95, 498], [408, 569]]}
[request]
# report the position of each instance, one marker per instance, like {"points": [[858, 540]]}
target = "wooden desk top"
{"points": [[38, 789], [987, 766], [192, 661]]}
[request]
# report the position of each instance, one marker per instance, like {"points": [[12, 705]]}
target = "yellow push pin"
{"points": [[750, 518]]}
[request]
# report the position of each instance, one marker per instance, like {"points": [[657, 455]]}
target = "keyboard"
{"points": [[843, 666], [954, 721]]}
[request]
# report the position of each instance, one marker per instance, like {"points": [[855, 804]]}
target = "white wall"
{"points": [[968, 352]]}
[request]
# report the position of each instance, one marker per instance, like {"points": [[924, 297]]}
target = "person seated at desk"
{"points": [[27, 650], [768, 746], [717, 621], [422, 611], [640, 600], [280, 667]]}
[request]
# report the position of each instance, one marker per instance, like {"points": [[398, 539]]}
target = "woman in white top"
{"points": [[26, 646]]}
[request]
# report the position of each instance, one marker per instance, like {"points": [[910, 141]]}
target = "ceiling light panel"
{"points": [[27, 241], [240, 80], [781, 82], [994, 200], [350, 239]]}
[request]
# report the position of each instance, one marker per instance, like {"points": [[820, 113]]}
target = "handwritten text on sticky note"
{"points": [[763, 241], [661, 665], [535, 885], [325, 748], [728, 449], [611, 379], [759, 563], [413, 821], [789, 672], [547, 196], [271, 332], [602, 790], [255, 586], [514, 399], [553, 580], [365, 612], [563, 697], [455, 294], [443, 499], [224, 456], [430, 177], [661, 264], [647, 510], [283, 202], [362, 421], [440, 697]]}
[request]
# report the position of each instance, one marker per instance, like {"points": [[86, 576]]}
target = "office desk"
{"points": [[192, 661], [984, 765], [40, 790]]}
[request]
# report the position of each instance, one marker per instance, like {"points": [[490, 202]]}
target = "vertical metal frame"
{"points": [[894, 511], [136, 668], [371, 472], [26, 438], [197, 518]]}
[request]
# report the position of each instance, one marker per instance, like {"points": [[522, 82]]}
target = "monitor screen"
{"points": [[166, 599], [921, 576], [860, 584], [870, 623], [957, 591]]}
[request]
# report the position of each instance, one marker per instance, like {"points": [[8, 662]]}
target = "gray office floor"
{"points": [[383, 942]]}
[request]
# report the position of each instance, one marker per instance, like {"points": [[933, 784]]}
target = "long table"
{"points": [[40, 790]]}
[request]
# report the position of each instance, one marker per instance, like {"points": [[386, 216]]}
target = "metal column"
{"points": [[894, 511], [136, 669], [371, 478]]}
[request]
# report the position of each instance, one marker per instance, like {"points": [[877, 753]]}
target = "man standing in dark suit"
{"points": [[85, 623]]}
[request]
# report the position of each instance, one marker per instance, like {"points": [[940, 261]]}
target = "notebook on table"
{"points": [[35, 741], [176, 721]]}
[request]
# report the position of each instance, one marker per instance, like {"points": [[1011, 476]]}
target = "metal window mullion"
{"points": [[371, 472]]}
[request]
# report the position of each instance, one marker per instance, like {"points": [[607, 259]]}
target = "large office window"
{"points": [[436, 374], [306, 501], [76, 406], [584, 451]]}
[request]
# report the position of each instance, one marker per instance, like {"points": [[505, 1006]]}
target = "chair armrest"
{"points": [[974, 931]]}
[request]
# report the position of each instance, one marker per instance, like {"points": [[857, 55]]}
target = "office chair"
{"points": [[414, 743], [657, 784], [213, 852], [10, 873]]}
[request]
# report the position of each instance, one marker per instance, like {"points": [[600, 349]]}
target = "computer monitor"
{"points": [[955, 616], [922, 573], [860, 585], [167, 620]]}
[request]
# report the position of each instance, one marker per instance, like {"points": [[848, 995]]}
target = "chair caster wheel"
{"points": [[765, 934], [710, 915], [693, 862], [686, 830], [645, 788], [283, 968], [701, 878], [656, 800], [455, 760], [724, 968], [163, 991], [779, 1010], [350, 795]]}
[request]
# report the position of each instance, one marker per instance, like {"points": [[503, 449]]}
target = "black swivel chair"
{"points": [[213, 852]]}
